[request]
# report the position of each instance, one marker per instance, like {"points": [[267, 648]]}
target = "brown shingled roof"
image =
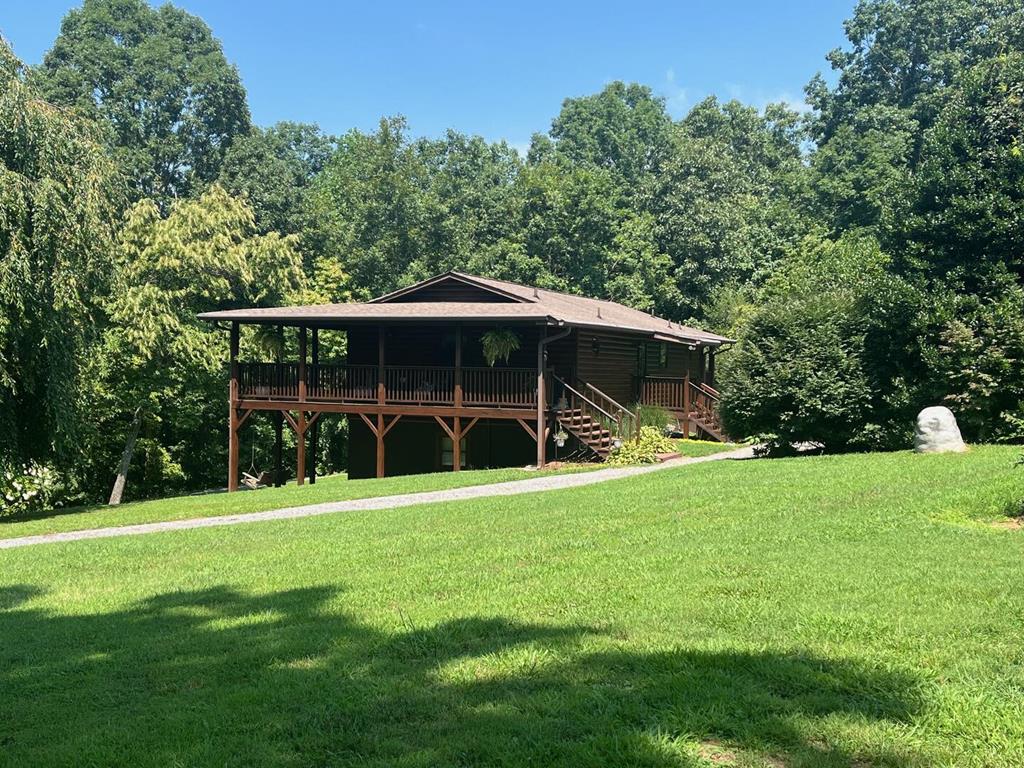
{"points": [[521, 303]]}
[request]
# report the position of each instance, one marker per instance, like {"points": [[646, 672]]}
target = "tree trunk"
{"points": [[126, 459]]}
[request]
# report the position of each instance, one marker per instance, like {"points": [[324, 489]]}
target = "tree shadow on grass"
{"points": [[217, 677]]}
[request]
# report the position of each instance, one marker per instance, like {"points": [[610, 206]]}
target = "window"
{"points": [[448, 452], [657, 355]]}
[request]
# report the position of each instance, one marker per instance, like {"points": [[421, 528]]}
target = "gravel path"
{"points": [[511, 488]]}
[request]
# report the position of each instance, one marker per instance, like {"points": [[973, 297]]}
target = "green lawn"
{"points": [[697, 448], [330, 488], [818, 611]]}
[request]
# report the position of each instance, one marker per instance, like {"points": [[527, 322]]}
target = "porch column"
{"points": [[686, 405], [278, 441], [457, 445], [709, 379], [541, 396], [380, 445], [300, 433], [300, 448], [233, 412], [314, 435], [458, 366]]}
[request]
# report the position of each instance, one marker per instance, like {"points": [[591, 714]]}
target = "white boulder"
{"points": [[937, 432]]}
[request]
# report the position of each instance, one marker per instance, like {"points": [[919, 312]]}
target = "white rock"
{"points": [[937, 432]]}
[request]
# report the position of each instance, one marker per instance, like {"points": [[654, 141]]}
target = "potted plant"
{"points": [[499, 344]]}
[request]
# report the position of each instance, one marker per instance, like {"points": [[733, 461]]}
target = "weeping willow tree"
{"points": [[60, 200]]}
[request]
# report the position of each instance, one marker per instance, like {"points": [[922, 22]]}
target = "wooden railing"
{"points": [[704, 406], [499, 387], [343, 383], [627, 426], [620, 422], [691, 398], [403, 384], [268, 381], [666, 392]]}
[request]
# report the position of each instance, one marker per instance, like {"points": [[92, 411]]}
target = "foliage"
{"points": [[204, 255], [652, 416], [823, 356], [157, 78], [643, 450], [499, 344], [60, 201], [27, 490]]}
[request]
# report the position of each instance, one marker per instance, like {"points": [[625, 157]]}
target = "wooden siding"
{"points": [[435, 345], [608, 361], [451, 290]]}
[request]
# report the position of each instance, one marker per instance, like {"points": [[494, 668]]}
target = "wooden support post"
{"points": [[380, 365], [380, 444], [300, 448], [709, 379], [302, 364], [314, 435], [686, 406], [541, 396], [233, 412], [458, 366], [457, 445], [278, 444]]}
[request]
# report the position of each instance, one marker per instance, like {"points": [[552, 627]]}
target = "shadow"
{"points": [[16, 594], [217, 677]]}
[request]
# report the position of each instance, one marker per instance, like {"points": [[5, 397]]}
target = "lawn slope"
{"points": [[832, 611]]}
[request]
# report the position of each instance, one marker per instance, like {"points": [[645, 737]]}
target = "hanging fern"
{"points": [[499, 344]]}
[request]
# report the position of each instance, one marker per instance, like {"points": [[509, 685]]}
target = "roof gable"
{"points": [[451, 287]]}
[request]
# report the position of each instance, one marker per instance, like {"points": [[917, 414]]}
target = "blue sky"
{"points": [[498, 70]]}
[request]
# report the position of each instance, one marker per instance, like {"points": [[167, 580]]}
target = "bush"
{"points": [[653, 416], [645, 450], [28, 490]]}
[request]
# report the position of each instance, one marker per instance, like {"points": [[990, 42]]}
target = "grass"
{"points": [[697, 448], [821, 611], [329, 488]]}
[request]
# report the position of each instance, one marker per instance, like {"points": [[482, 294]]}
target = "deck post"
{"points": [[458, 366], [380, 365], [380, 444], [233, 412], [709, 378], [457, 445], [541, 431], [278, 441], [302, 364], [314, 435], [686, 406], [300, 448]]}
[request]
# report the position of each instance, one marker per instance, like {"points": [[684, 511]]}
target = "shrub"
{"points": [[28, 490], [653, 416], [644, 450]]}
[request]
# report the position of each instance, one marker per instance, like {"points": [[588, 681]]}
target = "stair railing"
{"points": [[618, 420], [626, 422], [704, 406]]}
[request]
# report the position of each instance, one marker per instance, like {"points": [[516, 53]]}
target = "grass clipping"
{"points": [[644, 450]]}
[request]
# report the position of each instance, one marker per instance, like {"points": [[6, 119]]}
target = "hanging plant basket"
{"points": [[499, 344]]}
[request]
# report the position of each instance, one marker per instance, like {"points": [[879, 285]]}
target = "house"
{"points": [[420, 396]]}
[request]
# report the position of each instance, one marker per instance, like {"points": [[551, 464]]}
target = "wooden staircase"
{"points": [[595, 419], [704, 412], [693, 404]]}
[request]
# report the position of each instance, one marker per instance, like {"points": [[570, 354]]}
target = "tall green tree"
{"points": [[158, 359], [273, 169], [159, 79], [60, 201]]}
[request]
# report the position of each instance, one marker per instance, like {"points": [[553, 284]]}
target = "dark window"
{"points": [[657, 356]]}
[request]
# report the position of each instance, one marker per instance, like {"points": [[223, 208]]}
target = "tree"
{"points": [[159, 79], [60, 200], [624, 130], [829, 353], [157, 355], [726, 204], [272, 169]]}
